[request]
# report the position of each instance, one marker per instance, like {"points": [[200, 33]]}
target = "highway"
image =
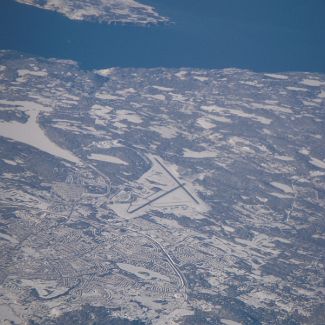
{"points": [[170, 260]]}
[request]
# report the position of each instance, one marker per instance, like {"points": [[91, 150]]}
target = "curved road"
{"points": [[170, 260]]}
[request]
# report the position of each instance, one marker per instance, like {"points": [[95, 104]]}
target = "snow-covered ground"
{"points": [[108, 11]]}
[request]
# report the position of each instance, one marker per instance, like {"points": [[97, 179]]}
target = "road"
{"points": [[170, 260]]}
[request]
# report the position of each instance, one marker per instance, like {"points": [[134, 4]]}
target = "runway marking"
{"points": [[177, 181], [179, 185], [156, 198]]}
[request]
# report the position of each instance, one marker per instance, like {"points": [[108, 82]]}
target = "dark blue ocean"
{"points": [[261, 35]]}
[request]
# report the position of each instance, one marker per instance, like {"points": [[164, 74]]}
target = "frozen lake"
{"points": [[30, 132]]}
